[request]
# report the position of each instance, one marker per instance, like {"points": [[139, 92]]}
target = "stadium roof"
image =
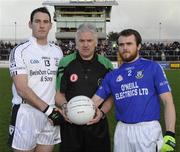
{"points": [[80, 2]]}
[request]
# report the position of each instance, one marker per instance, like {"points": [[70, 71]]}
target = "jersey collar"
{"points": [[86, 61]]}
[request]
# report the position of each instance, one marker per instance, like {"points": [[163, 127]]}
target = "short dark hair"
{"points": [[128, 32], [40, 9]]}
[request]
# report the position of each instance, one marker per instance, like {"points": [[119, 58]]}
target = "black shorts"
{"points": [[83, 138]]}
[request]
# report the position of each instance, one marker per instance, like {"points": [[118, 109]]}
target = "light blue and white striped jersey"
{"points": [[136, 88]]}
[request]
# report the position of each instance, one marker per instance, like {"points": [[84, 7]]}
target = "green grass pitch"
{"points": [[5, 107]]}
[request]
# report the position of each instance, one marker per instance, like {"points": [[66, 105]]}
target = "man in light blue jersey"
{"points": [[137, 87]]}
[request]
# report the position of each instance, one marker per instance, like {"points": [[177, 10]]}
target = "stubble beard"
{"points": [[130, 58]]}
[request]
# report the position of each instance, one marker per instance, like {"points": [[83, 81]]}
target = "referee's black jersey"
{"points": [[81, 77]]}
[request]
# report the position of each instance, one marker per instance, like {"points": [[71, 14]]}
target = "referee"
{"points": [[80, 73]]}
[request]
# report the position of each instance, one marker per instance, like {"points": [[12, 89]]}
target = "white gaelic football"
{"points": [[80, 110]]}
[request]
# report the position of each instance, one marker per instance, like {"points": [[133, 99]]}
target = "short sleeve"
{"points": [[16, 62]]}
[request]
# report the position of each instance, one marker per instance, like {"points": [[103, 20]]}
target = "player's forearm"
{"points": [[97, 100], [106, 107], [32, 99], [170, 117], [169, 111], [26, 93]]}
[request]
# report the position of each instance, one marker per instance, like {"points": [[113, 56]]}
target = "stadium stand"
{"points": [[153, 51]]}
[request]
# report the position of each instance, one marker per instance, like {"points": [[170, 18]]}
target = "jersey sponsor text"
{"points": [[130, 90]]}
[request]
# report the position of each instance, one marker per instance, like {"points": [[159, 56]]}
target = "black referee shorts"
{"points": [[83, 138]]}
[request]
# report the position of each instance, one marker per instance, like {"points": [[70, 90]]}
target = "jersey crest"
{"points": [[119, 78], [139, 74], [73, 77]]}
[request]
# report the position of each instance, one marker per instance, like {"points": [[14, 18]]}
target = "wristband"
{"points": [[54, 115], [48, 110], [170, 133]]}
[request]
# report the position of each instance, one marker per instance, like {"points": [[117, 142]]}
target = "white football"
{"points": [[80, 110]]}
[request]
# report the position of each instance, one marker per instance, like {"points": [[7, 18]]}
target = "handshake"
{"points": [[54, 115], [169, 142]]}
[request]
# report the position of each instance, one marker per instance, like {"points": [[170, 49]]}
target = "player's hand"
{"points": [[54, 115], [98, 116], [169, 142]]}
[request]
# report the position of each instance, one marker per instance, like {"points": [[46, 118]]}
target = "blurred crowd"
{"points": [[5, 48], [161, 51], [153, 51]]}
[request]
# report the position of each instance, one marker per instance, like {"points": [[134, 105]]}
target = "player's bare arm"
{"points": [[169, 111], [169, 141], [106, 107], [21, 83], [97, 100]]}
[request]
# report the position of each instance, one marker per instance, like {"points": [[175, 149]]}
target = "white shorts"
{"points": [[139, 137], [29, 127]]}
